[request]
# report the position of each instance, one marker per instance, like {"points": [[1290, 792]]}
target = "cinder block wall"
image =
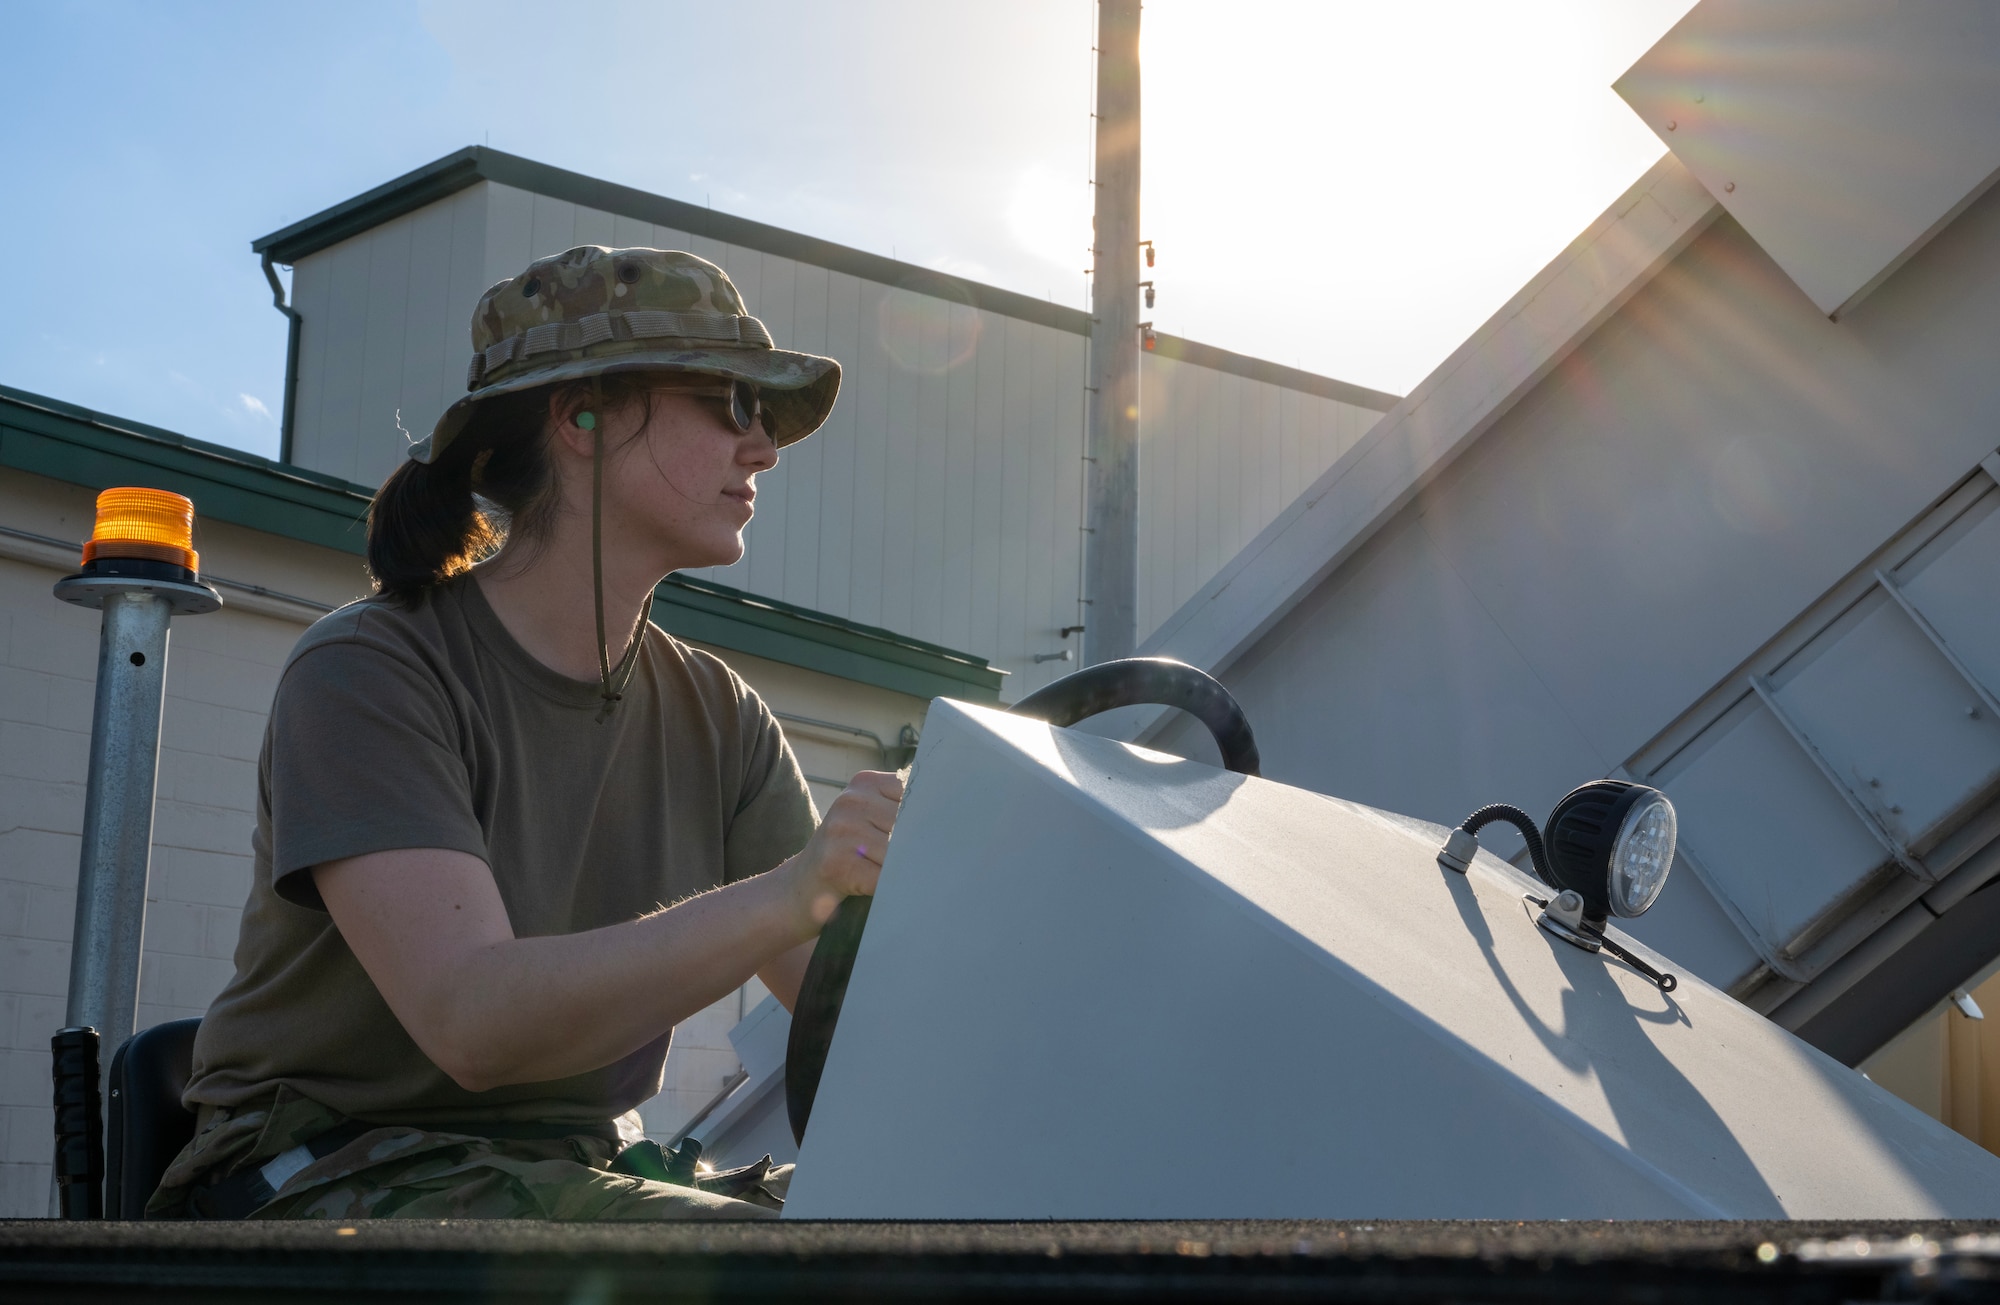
{"points": [[41, 817]]}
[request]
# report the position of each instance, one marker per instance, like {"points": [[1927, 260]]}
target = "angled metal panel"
{"points": [[1777, 840], [1862, 809], [1930, 632], [1897, 725], [1841, 134], [1883, 693], [1769, 952], [1958, 594]]}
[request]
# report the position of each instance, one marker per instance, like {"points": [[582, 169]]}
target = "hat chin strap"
{"points": [[611, 680]]}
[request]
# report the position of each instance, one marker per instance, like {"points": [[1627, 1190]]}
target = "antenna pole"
{"points": [[1111, 538]]}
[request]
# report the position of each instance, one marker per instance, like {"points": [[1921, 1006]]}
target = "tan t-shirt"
{"points": [[430, 727]]}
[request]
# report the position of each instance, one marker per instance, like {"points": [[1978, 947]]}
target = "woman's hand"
{"points": [[844, 856]]}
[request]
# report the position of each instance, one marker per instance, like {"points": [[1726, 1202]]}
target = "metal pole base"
{"points": [[181, 599]]}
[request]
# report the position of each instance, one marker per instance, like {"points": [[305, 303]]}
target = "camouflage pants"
{"points": [[397, 1171]]}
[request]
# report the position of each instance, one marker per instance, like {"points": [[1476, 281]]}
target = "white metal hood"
{"points": [[1102, 982]]}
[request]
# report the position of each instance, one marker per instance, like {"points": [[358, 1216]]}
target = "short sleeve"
{"points": [[775, 815], [365, 757]]}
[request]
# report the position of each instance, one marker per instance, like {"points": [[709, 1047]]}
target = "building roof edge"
{"points": [[475, 163], [446, 176], [1181, 349]]}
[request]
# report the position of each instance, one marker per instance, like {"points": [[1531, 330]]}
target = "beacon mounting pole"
{"points": [[140, 570]]}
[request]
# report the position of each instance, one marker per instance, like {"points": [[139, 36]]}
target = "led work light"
{"points": [[1613, 843], [1606, 850]]}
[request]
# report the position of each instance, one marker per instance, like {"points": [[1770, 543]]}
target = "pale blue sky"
{"points": [[1344, 185]]}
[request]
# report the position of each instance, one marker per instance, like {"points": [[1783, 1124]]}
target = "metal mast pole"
{"points": [[118, 815], [1111, 544], [127, 575]]}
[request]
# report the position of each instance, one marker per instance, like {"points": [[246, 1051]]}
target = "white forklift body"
{"points": [[1100, 982]]}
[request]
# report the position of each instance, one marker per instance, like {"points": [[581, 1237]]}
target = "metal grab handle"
{"points": [[1130, 682], [1149, 682]]}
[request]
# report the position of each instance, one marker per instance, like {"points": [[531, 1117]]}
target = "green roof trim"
{"points": [[707, 612], [65, 442], [62, 441]]}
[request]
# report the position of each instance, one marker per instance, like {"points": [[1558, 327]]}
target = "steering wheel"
{"points": [[1130, 682]]}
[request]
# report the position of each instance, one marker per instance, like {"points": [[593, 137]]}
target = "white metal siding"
{"points": [[1220, 455], [384, 331], [943, 498]]}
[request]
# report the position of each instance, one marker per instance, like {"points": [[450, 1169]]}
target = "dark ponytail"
{"points": [[424, 526], [496, 480], [428, 522]]}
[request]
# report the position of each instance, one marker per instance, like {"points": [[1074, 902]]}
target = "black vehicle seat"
{"points": [[148, 1126]]}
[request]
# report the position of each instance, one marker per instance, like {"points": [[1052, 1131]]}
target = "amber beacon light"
{"points": [[141, 570], [142, 525]]}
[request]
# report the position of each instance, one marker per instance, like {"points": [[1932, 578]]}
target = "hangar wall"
{"points": [[1220, 455]]}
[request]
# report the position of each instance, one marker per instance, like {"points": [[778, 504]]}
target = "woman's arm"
{"points": [[491, 1009], [785, 972]]}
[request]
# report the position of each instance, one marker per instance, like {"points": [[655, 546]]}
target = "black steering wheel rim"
{"points": [[1128, 682]]}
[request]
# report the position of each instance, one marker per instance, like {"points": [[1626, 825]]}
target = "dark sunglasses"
{"points": [[746, 406], [739, 399]]}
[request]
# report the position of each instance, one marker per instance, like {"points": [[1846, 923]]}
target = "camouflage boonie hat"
{"points": [[591, 311]]}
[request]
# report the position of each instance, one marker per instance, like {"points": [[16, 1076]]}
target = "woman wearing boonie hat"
{"points": [[509, 832]]}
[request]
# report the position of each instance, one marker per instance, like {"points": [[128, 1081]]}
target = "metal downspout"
{"points": [[291, 359]]}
